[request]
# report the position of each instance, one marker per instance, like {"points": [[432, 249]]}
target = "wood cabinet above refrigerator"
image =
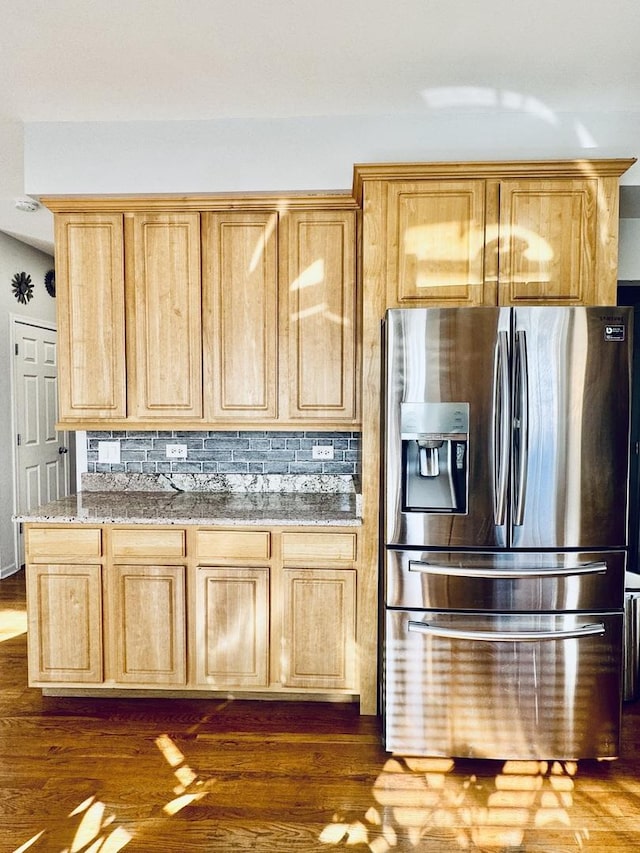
{"points": [[492, 233]]}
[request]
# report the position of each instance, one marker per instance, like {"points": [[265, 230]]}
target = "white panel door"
{"points": [[42, 458]]}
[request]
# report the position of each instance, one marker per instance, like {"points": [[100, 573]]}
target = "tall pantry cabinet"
{"points": [[472, 234]]}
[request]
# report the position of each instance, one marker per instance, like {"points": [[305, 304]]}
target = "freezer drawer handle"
{"points": [[506, 636], [596, 568]]}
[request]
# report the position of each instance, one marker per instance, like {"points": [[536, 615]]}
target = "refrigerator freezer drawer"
{"points": [[505, 582], [500, 686]]}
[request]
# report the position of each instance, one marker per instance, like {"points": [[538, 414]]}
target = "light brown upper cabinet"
{"points": [[240, 314], [490, 233], [236, 311], [164, 315], [556, 241], [435, 241], [318, 294], [91, 315]]}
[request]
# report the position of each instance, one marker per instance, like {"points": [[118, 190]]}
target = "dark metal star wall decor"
{"points": [[50, 282], [22, 287]]}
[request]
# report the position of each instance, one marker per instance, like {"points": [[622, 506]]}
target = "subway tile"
{"points": [[337, 468], [305, 468], [185, 467], [233, 468], [255, 455], [277, 468], [214, 444], [105, 468], [132, 455], [136, 443], [260, 444]]}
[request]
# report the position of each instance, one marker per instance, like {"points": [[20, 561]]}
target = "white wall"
{"points": [[15, 257], [38, 226], [307, 153], [629, 250]]}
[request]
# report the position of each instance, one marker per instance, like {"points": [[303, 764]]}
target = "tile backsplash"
{"points": [[227, 452]]}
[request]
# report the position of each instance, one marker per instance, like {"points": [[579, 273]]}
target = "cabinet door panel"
{"points": [[232, 627], [90, 308], [435, 240], [165, 304], [320, 291], [547, 241], [147, 624], [65, 623], [240, 314], [319, 640]]}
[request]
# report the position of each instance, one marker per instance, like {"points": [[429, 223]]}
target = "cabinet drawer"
{"points": [[43, 542], [338, 547], [148, 543], [233, 544]]}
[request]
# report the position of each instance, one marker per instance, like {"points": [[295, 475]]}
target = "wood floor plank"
{"points": [[218, 776]]}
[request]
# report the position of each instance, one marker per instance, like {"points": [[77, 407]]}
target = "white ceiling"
{"points": [[142, 60]]}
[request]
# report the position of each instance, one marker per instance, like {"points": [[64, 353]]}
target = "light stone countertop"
{"points": [[202, 508]]}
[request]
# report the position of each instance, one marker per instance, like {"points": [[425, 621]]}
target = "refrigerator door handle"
{"points": [[501, 428], [595, 568], [520, 426], [590, 630]]}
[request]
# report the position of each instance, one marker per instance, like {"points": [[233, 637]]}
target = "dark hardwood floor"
{"points": [[99, 776]]}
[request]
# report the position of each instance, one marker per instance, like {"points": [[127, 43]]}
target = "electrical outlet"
{"points": [[109, 451], [322, 451], [176, 451]]}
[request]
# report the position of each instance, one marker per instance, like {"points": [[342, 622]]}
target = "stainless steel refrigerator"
{"points": [[505, 489]]}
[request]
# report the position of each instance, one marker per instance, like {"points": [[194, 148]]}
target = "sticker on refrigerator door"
{"points": [[614, 332]]}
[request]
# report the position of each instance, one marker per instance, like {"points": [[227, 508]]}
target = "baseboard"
{"points": [[7, 571]]}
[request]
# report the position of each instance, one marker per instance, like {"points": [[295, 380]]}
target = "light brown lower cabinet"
{"points": [[64, 628], [232, 626], [145, 624], [179, 608], [319, 629]]}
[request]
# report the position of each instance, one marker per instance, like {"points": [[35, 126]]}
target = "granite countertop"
{"points": [[220, 508]]}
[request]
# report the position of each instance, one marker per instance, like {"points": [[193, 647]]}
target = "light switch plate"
{"points": [[109, 451]]}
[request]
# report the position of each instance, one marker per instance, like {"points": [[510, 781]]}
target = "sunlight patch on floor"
{"points": [[184, 774], [97, 832], [12, 624], [420, 798]]}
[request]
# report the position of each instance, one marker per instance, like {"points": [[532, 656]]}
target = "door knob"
{"points": [[63, 450]]}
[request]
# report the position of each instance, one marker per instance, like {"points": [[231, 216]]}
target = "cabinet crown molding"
{"points": [[198, 202], [496, 169]]}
